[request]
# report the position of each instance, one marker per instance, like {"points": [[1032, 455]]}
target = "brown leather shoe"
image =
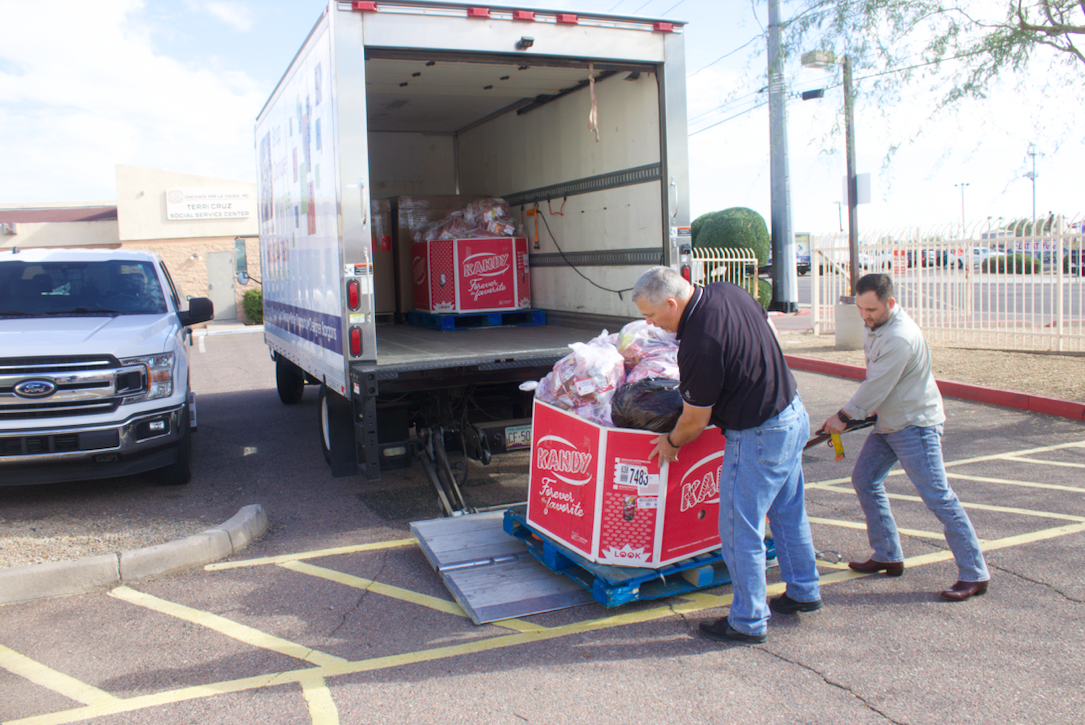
{"points": [[964, 590], [870, 566]]}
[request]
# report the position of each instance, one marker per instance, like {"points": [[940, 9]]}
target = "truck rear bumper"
{"points": [[144, 442]]}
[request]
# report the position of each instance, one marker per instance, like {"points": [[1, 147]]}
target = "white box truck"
{"points": [[579, 118]]}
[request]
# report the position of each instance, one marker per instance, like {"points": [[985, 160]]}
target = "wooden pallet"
{"points": [[472, 320], [613, 586]]}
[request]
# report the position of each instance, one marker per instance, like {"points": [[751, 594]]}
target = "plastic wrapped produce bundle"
{"points": [[585, 380], [652, 404], [664, 366], [639, 340]]}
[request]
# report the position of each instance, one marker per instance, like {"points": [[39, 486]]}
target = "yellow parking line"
{"points": [[861, 525], [322, 709], [47, 677], [406, 595], [685, 604], [377, 545], [1008, 482], [1039, 462], [968, 505], [234, 630], [1024, 452]]}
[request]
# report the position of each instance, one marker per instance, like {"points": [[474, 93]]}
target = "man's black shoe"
{"points": [[784, 604], [722, 631]]}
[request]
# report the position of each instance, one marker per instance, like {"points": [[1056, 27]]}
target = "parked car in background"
{"points": [[982, 254], [94, 367]]}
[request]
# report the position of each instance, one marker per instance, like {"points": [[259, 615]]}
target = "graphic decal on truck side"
{"points": [[308, 325]]}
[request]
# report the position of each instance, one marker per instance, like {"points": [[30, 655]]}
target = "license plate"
{"points": [[517, 436]]}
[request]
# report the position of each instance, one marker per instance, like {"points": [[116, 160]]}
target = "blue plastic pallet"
{"points": [[613, 586], [472, 320]]}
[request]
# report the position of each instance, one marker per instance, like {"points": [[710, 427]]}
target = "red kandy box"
{"points": [[594, 490], [471, 275]]}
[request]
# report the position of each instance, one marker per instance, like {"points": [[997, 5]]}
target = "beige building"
{"points": [[197, 224]]}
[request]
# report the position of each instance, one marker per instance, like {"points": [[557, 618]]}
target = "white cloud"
{"points": [[91, 91], [232, 14]]}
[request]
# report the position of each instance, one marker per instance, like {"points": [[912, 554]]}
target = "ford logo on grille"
{"points": [[35, 388]]}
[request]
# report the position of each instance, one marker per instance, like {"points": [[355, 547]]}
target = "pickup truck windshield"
{"points": [[112, 287]]}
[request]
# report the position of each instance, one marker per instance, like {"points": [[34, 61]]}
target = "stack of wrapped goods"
{"points": [[592, 487], [473, 260]]}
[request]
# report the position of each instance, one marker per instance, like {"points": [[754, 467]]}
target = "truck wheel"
{"points": [[337, 433], [180, 471], [290, 381]]}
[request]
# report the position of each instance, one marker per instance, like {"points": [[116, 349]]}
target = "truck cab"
{"points": [[94, 367]]}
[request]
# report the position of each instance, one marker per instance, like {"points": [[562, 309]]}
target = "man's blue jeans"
{"points": [[762, 474], [919, 451]]}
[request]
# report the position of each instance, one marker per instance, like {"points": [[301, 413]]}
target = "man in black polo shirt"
{"points": [[733, 375]]}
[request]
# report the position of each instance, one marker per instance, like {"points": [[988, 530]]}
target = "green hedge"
{"points": [[1018, 263], [253, 303], [734, 228]]}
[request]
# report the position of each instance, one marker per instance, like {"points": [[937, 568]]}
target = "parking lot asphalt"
{"points": [[335, 616]]}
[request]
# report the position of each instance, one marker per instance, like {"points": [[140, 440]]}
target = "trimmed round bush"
{"points": [[734, 228]]}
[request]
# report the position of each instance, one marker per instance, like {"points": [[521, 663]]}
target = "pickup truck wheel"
{"points": [[180, 472], [290, 381], [337, 433]]}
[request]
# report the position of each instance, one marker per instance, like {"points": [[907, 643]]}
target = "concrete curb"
{"points": [[55, 579], [965, 391]]}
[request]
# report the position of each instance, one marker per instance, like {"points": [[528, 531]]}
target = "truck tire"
{"points": [[179, 472], [337, 433], [290, 381]]}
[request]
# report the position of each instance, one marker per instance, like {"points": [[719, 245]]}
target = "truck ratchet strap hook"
{"points": [[593, 114]]}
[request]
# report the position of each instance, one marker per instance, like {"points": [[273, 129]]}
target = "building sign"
{"points": [[183, 204]]}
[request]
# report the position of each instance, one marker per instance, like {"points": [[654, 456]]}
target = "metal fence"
{"points": [[979, 289], [716, 264]]}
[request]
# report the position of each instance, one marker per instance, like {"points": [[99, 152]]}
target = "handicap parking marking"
{"points": [[317, 554], [405, 595], [227, 627], [313, 681], [71, 688]]}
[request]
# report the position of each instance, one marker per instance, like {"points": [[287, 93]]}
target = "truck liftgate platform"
{"points": [[497, 567]]}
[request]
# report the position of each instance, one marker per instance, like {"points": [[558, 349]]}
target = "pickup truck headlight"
{"points": [[159, 376]]}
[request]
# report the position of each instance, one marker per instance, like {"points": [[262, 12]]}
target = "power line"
{"points": [[729, 118]]}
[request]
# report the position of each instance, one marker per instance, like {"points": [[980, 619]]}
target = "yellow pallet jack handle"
{"points": [[838, 446]]}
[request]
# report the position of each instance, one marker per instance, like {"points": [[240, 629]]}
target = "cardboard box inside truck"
{"points": [[413, 214]]}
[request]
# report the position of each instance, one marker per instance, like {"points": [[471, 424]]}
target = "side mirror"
{"points": [[200, 309]]}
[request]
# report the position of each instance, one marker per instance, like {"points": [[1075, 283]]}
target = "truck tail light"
{"points": [[664, 27], [478, 12], [354, 294], [523, 15], [355, 342], [687, 273], [364, 5], [567, 19]]}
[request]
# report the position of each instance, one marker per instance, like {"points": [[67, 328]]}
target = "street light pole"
{"points": [[961, 187], [853, 195], [1032, 175]]}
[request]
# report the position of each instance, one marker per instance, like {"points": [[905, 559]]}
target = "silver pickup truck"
{"points": [[94, 367]]}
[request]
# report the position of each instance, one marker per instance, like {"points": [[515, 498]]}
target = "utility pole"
{"points": [[785, 285]]}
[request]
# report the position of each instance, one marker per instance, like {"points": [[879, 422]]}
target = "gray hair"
{"points": [[659, 283]]}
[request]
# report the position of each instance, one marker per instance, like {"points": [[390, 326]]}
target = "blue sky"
{"points": [[88, 84]]}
